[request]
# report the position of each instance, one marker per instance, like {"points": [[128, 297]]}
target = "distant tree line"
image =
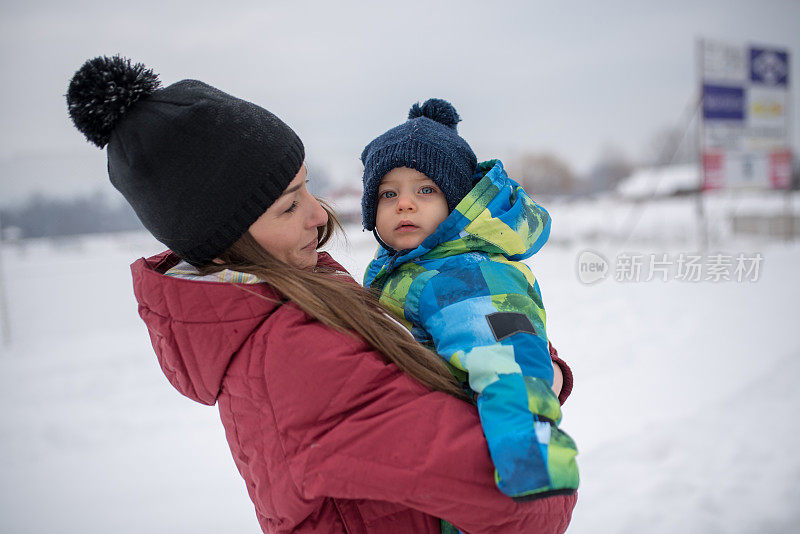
{"points": [[43, 216], [542, 173]]}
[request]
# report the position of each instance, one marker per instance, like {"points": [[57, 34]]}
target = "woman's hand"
{"points": [[558, 378]]}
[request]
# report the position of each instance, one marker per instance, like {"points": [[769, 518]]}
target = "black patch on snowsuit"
{"points": [[506, 324]]}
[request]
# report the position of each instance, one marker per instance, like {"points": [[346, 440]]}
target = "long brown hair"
{"points": [[332, 299]]}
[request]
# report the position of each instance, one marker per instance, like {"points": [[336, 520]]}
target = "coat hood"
{"points": [[496, 217], [196, 326]]}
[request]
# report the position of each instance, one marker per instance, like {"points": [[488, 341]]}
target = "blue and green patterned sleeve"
{"points": [[487, 319]]}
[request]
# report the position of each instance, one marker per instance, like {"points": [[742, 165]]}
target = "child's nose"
{"points": [[405, 202]]}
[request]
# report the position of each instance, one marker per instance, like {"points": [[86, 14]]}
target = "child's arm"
{"points": [[486, 318]]}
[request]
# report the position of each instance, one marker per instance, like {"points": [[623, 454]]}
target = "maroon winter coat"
{"points": [[328, 436]]}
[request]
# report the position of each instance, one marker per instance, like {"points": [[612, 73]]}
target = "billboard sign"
{"points": [[745, 116]]}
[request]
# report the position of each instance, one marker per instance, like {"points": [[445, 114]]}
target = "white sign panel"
{"points": [[745, 116]]}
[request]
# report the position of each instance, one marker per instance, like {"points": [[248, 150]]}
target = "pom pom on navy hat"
{"points": [[438, 110]]}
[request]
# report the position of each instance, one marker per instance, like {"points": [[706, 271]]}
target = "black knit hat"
{"points": [[197, 165], [428, 142]]}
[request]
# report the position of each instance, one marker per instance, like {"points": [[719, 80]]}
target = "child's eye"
{"points": [[387, 194], [291, 208], [427, 190]]}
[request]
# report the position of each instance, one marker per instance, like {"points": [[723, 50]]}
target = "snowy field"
{"points": [[684, 408]]}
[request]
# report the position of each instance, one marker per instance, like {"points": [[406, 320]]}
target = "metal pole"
{"points": [[790, 216], [702, 223], [688, 115]]}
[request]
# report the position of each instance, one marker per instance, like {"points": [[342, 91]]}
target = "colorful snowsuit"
{"points": [[465, 293]]}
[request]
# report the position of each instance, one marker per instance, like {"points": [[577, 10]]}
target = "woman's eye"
{"points": [[427, 190], [291, 208], [388, 194]]}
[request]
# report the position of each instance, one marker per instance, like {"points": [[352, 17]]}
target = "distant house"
{"points": [[660, 182], [346, 203]]}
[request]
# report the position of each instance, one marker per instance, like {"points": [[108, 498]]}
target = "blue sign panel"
{"points": [[769, 67], [723, 102]]}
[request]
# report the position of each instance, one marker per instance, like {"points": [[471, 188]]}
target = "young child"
{"points": [[453, 233]]}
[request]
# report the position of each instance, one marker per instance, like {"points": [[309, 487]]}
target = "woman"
{"points": [[337, 420]]}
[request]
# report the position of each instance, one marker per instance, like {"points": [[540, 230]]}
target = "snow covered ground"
{"points": [[684, 409]]}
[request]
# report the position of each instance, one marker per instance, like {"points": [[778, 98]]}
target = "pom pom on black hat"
{"points": [[437, 109], [103, 90]]}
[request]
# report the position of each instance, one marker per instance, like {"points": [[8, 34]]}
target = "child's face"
{"points": [[410, 207]]}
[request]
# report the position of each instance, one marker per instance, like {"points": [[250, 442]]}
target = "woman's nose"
{"points": [[319, 217]]}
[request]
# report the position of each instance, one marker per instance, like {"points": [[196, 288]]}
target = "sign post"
{"points": [[702, 223]]}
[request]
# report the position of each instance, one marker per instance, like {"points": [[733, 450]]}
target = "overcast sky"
{"points": [[570, 77]]}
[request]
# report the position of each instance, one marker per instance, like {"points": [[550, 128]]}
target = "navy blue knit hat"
{"points": [[427, 142]]}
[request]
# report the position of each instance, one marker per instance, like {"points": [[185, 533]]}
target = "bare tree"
{"points": [[544, 173], [612, 167]]}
